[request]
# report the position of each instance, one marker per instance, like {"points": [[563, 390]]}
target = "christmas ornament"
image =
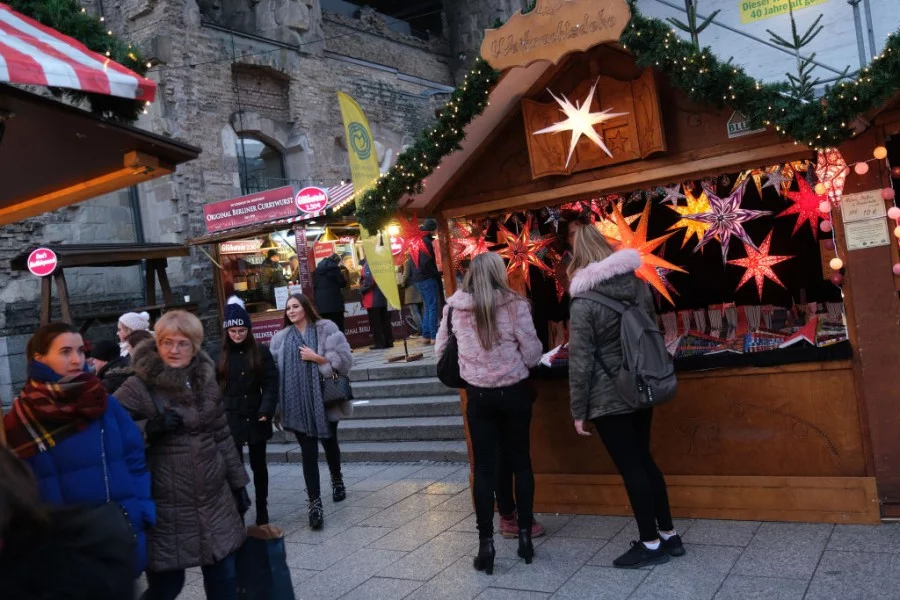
{"points": [[663, 274], [896, 268], [894, 213], [413, 239], [836, 264], [758, 265], [607, 225], [580, 121], [468, 242], [695, 206], [726, 218], [754, 174], [888, 193], [554, 217], [825, 206], [673, 194], [880, 153], [521, 251], [637, 240], [776, 180], [837, 279], [861, 168], [806, 207], [832, 170], [790, 170], [826, 226]]}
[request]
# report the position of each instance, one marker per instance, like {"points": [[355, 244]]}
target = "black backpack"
{"points": [[448, 365]]}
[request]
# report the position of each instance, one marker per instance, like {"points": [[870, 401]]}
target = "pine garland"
{"points": [[69, 18]]}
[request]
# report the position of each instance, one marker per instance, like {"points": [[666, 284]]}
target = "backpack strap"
{"points": [[619, 307], [450, 322]]}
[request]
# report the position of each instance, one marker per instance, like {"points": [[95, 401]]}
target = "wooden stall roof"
{"points": [[53, 155], [104, 255]]}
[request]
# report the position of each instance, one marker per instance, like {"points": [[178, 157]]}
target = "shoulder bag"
{"points": [[448, 365]]}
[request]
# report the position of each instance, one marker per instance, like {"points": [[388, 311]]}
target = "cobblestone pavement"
{"points": [[408, 531]]}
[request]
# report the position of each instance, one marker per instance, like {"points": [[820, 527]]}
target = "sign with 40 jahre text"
{"points": [[757, 10]]}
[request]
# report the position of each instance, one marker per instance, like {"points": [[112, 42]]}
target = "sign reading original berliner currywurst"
{"points": [[554, 29]]}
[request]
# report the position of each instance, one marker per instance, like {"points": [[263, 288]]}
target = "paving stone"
{"points": [[405, 510], [593, 527], [335, 523], [460, 502], [461, 475], [504, 594], [382, 588], [694, 576], [460, 581], [856, 576], [345, 575], [553, 523], [432, 557], [321, 556], [866, 538], [447, 488], [468, 525], [721, 533], [741, 587], [784, 550], [556, 560], [394, 493], [600, 583], [419, 531], [437, 472]]}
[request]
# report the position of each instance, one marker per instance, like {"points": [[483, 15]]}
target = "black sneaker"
{"points": [[673, 545], [641, 556]]}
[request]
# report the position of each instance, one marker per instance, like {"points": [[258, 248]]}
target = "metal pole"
{"points": [[870, 27], [861, 45]]}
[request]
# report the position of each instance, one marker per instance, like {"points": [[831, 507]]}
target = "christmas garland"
{"points": [[69, 18], [820, 123]]}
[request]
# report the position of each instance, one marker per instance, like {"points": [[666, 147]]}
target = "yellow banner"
{"points": [[381, 262], [757, 10], [360, 144]]}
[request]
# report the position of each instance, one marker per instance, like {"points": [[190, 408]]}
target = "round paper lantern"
{"points": [[837, 278], [861, 168], [896, 269], [836, 264], [829, 244], [888, 193], [894, 213], [825, 206], [897, 232], [826, 226], [820, 189], [880, 152], [895, 172]]}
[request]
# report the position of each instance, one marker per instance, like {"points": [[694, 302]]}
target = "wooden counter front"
{"points": [[777, 443]]}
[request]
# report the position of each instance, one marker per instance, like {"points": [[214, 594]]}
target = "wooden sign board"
{"points": [[554, 29], [632, 136]]}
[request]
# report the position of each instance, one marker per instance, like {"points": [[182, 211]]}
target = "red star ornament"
{"points": [[637, 240], [806, 207], [758, 265], [469, 243], [521, 251], [832, 170], [413, 238]]}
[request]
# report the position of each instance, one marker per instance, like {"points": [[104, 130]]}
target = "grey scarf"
{"points": [[304, 409]]}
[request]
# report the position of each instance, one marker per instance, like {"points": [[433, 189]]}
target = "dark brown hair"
{"points": [[136, 337], [254, 357], [43, 338], [311, 315]]}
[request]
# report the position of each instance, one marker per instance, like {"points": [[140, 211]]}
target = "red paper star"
{"points": [[806, 207], [832, 171], [759, 264], [638, 241], [413, 239], [522, 251], [469, 243]]}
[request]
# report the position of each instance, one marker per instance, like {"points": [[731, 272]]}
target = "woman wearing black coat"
{"points": [[328, 281], [249, 380]]}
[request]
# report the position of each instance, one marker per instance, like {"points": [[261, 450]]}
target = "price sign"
{"points": [[862, 206]]}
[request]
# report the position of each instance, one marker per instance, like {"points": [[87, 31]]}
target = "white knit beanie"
{"points": [[135, 321]]}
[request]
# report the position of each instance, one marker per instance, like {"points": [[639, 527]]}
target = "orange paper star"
{"points": [[759, 265], [695, 206], [522, 251], [607, 225], [637, 240]]}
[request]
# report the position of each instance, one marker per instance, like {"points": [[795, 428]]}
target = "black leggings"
{"points": [[500, 418], [309, 447], [260, 470], [627, 439]]}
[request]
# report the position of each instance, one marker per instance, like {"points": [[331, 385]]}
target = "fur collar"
{"points": [[465, 301], [148, 365], [618, 263]]}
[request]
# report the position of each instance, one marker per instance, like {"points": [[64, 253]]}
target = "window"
{"points": [[261, 166]]}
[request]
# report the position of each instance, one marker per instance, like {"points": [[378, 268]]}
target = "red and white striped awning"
{"points": [[34, 54]]}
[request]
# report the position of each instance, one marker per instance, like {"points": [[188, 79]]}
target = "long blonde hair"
{"points": [[486, 274], [589, 246]]}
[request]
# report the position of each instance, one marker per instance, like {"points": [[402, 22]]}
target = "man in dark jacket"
{"points": [[424, 276], [328, 281], [271, 275], [112, 368]]}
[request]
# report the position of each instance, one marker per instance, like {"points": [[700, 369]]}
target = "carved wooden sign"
{"points": [[554, 29], [632, 136]]}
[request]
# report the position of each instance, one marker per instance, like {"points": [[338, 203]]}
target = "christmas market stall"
{"points": [[764, 216]]}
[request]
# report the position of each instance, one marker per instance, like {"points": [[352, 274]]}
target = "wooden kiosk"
{"points": [[812, 439]]}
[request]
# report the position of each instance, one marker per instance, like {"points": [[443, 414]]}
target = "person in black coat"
{"points": [[424, 275], [376, 306], [111, 367], [249, 380], [328, 281]]}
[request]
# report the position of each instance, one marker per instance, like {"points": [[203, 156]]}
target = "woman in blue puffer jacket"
{"points": [[82, 446]]}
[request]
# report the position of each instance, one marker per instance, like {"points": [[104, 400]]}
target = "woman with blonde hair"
{"points": [[595, 351], [497, 346], [199, 483]]}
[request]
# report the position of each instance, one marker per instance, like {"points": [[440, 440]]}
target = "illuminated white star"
{"points": [[580, 121]]}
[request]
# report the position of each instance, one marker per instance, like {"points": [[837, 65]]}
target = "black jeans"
{"points": [[627, 439], [257, 453], [506, 501], [336, 317], [219, 581], [500, 418], [380, 325], [309, 448]]}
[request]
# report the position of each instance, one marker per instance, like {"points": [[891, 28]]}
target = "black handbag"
{"points": [[448, 365], [336, 389]]}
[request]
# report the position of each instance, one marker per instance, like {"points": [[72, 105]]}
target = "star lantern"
{"points": [[832, 171], [673, 194], [607, 225], [805, 206], [580, 121], [790, 170], [521, 251], [664, 276], [413, 239], [637, 240], [553, 216], [726, 218], [695, 206], [754, 174], [758, 265], [776, 180], [469, 243]]}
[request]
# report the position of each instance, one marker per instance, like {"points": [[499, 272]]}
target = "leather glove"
{"points": [[162, 425], [242, 500]]}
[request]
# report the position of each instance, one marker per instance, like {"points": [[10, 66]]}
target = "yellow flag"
{"points": [[360, 144], [381, 263]]}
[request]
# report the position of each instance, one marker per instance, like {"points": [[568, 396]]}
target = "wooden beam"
{"points": [[63, 291], [46, 298], [646, 173], [168, 296], [137, 168], [150, 283]]}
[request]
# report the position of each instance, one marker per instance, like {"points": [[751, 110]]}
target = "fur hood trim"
{"points": [[618, 263], [148, 365], [465, 301]]}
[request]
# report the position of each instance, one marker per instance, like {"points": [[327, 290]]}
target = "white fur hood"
{"points": [[619, 263]]}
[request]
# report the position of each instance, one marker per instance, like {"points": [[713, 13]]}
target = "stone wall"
{"points": [[466, 22]]}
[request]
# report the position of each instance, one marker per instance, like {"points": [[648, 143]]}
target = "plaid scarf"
{"points": [[52, 408]]}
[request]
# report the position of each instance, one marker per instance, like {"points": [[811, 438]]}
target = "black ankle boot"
{"points": [[338, 491], [526, 548], [316, 514], [485, 559]]}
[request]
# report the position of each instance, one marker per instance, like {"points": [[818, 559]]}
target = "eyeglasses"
{"points": [[172, 345]]}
